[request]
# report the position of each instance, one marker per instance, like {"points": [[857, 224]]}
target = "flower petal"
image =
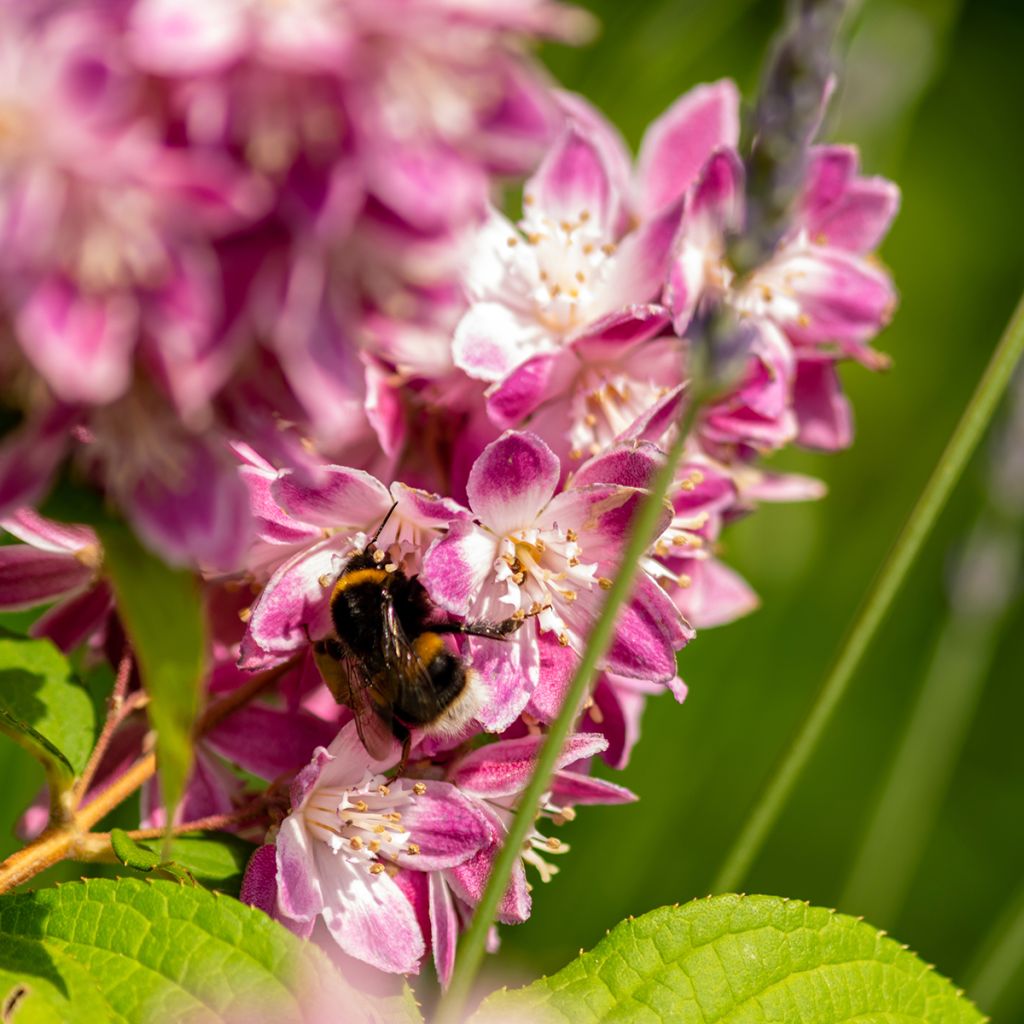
{"points": [[457, 565], [71, 621], [299, 893], [444, 927], [447, 827], [512, 481], [469, 879], [824, 416], [368, 915], [504, 768], [29, 577], [576, 788], [81, 344], [573, 180], [47, 534], [338, 497], [492, 339], [679, 142], [716, 596], [259, 886]]}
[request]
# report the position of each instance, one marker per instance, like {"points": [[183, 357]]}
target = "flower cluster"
{"points": [[280, 325]]}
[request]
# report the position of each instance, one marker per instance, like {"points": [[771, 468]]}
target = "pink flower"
{"points": [[349, 830], [534, 552], [57, 563], [817, 300]]}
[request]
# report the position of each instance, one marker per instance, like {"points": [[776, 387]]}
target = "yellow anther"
{"points": [[683, 580], [553, 843], [379, 556], [383, 790], [571, 535], [356, 843], [413, 848], [373, 845], [419, 788], [376, 869], [563, 639], [512, 242], [604, 583], [245, 614], [362, 806]]}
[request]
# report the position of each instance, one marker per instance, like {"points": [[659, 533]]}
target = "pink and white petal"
{"points": [[604, 135], [557, 665], [575, 788], [75, 619], [299, 894], [717, 595], [500, 268], [337, 497], [444, 927], [504, 768], [273, 524], [30, 577], [284, 614], [664, 414], [573, 180], [81, 344], [469, 879], [457, 565], [349, 760], [178, 37], [717, 200], [617, 333], [47, 534], [508, 673], [512, 481], [618, 712], [824, 416], [242, 739], [625, 465], [640, 266], [839, 209], [447, 827], [841, 298], [648, 632], [782, 487], [528, 386], [492, 339], [427, 510], [198, 516], [679, 142], [384, 409], [368, 915]]}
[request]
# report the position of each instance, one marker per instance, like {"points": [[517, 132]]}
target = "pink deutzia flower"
{"points": [[817, 300], [532, 551], [349, 830], [492, 778]]}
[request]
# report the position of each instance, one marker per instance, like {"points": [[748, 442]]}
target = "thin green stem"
{"points": [[472, 946], [947, 472]]}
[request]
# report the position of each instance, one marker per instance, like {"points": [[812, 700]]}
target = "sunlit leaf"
{"points": [[44, 707], [739, 959], [160, 951]]}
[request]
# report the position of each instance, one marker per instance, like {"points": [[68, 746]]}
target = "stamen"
{"points": [[376, 869], [419, 788]]}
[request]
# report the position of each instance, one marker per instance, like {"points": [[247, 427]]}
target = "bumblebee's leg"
{"points": [[402, 734], [501, 630]]}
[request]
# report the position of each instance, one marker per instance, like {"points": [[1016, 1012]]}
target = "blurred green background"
{"points": [[931, 94]]}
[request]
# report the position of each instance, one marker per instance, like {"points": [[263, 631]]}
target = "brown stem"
{"points": [[115, 715], [45, 851]]}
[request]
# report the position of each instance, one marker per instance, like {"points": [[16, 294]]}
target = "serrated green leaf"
{"points": [[217, 859], [162, 614], [43, 707], [160, 951], [739, 960]]}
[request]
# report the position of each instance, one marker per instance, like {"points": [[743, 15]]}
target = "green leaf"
{"points": [[158, 951], [739, 960], [162, 614], [217, 859], [43, 707]]}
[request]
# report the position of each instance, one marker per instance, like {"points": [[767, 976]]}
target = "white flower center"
{"points": [[606, 402], [573, 263], [543, 572], [363, 822]]}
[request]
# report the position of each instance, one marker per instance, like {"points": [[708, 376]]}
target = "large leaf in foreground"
{"points": [[43, 707], [741, 960], [149, 952], [162, 614]]}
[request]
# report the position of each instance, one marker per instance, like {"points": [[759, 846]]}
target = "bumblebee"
{"points": [[388, 661]]}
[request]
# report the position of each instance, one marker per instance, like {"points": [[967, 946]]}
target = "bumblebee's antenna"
{"points": [[384, 522]]}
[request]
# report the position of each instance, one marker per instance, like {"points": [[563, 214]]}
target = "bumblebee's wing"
{"points": [[415, 688], [350, 685]]}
